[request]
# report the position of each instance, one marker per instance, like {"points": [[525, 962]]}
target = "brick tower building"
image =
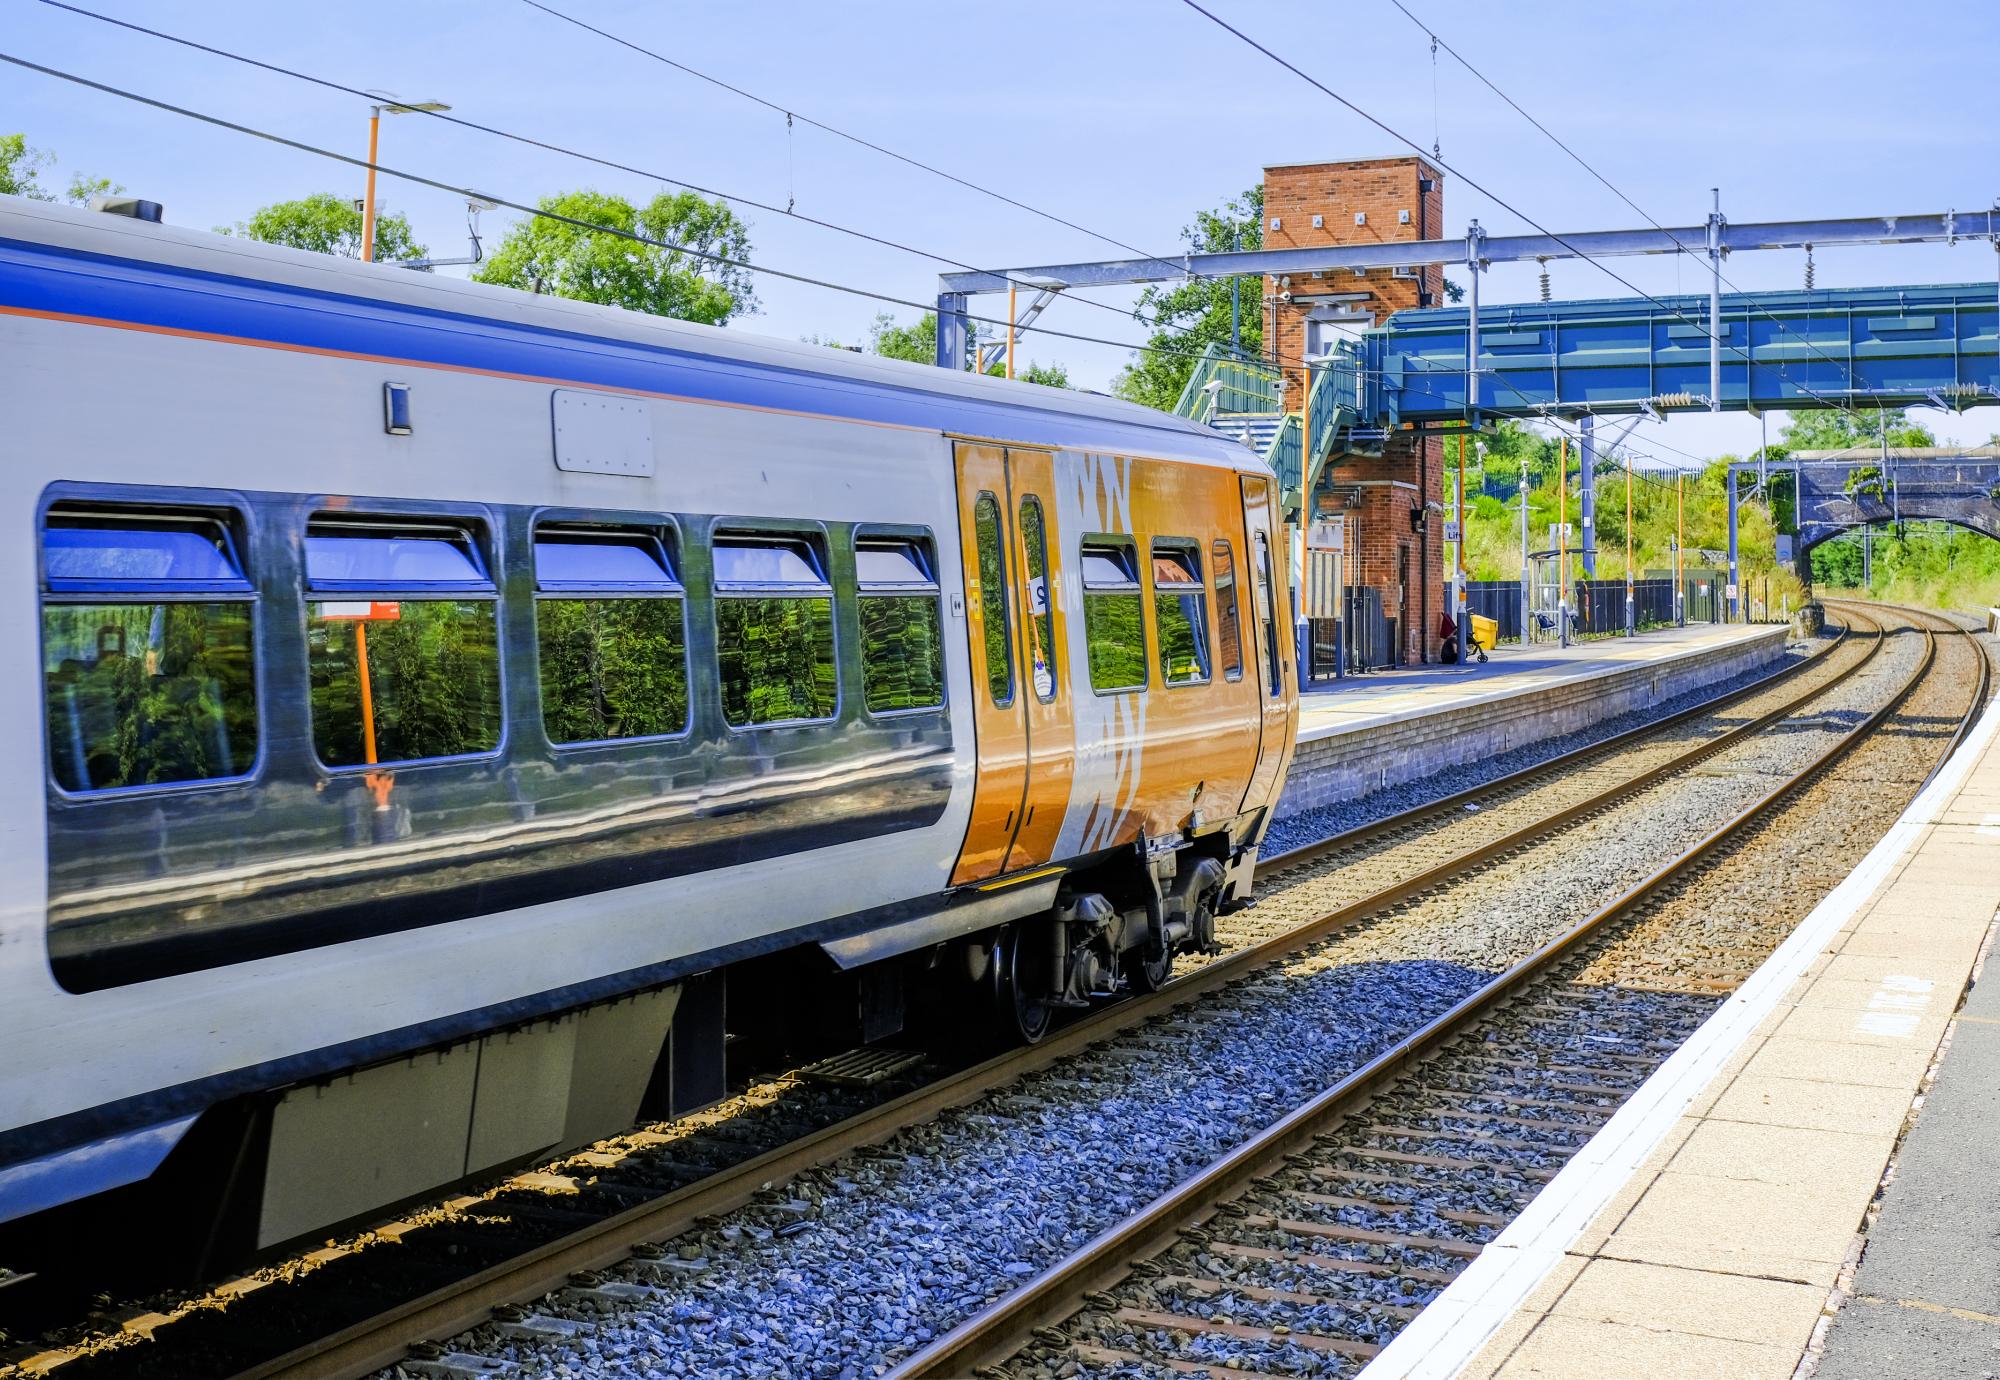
{"points": [[1395, 531]]}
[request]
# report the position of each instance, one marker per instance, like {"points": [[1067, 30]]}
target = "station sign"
{"points": [[1450, 529], [1327, 536], [362, 611]]}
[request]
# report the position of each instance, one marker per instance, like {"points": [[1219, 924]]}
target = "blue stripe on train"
{"points": [[42, 278]]}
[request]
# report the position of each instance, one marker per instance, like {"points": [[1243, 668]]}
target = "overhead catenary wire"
{"points": [[523, 208], [419, 179], [1615, 190], [615, 165], [1482, 189]]}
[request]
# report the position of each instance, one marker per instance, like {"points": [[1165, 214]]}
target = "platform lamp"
{"points": [[390, 105]]}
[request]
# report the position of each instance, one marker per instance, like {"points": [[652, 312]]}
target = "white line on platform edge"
{"points": [[1473, 1307]]}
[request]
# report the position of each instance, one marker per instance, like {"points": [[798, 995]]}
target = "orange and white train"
{"points": [[458, 712]]}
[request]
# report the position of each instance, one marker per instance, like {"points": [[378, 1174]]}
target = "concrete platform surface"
{"points": [[1705, 1230], [1382, 697]]}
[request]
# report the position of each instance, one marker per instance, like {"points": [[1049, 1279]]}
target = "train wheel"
{"points": [[1146, 974], [1020, 1011]]}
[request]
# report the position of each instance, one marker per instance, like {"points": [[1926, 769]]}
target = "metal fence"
{"points": [[1499, 600], [1599, 605]]}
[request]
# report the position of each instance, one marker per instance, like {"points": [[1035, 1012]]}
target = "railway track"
{"points": [[1584, 790], [1306, 1249]]}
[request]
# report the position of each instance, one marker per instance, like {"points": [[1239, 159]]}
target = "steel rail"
{"points": [[385, 1338], [1001, 1329], [1365, 833]]}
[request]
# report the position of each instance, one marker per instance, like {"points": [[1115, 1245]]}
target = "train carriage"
{"points": [[456, 712]]}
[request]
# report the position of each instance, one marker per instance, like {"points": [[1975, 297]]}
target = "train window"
{"points": [[995, 607], [1113, 617], [611, 635], [902, 631], [1273, 658], [1041, 616], [1228, 630], [1180, 612], [146, 650], [402, 643], [774, 629]]}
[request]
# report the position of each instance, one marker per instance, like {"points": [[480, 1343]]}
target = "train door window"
{"points": [[610, 634], [902, 630], [1228, 630], [1273, 660], [995, 606], [1180, 612], [1113, 618], [147, 664], [402, 642], [774, 629], [1041, 616]]}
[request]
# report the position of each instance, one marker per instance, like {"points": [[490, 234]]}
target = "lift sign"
{"points": [[362, 611]]}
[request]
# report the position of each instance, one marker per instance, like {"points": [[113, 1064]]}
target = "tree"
{"points": [[327, 224], [544, 255], [20, 166], [1833, 429], [1189, 316], [917, 343]]}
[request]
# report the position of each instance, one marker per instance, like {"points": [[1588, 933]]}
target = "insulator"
{"points": [[1673, 400], [1545, 278], [1809, 268]]}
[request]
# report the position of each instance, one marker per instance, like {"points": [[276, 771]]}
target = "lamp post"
{"points": [[389, 106]]}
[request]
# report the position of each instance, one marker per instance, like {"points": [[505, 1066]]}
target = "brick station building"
{"points": [[1365, 201]]}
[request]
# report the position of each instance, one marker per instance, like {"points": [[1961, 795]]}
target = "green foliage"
{"points": [[146, 693], [776, 657], [1183, 637], [543, 255], [612, 668], [1189, 316], [326, 224], [434, 681], [902, 652], [21, 166], [1114, 627], [917, 343], [993, 600]]}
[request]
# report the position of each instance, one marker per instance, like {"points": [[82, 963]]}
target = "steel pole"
{"points": [[1458, 556], [1562, 538], [1734, 591], [368, 197], [1715, 303], [1010, 329], [1631, 612], [1586, 445], [1680, 534], [1527, 575]]}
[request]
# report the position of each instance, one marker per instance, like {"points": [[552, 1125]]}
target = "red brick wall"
{"points": [[1408, 474]]}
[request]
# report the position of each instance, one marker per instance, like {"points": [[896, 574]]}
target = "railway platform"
{"points": [[1805, 1188], [1367, 732]]}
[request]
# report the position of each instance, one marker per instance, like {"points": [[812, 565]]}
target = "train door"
{"points": [[1267, 635], [1037, 552], [1000, 709]]}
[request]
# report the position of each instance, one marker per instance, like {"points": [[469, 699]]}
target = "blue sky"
{"points": [[1124, 116]]}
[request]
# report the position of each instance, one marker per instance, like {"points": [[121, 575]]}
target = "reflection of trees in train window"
{"points": [[1041, 616], [427, 670], [612, 668], [141, 694], [1113, 616], [994, 604], [902, 652], [1180, 613], [1228, 630], [776, 658]]}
